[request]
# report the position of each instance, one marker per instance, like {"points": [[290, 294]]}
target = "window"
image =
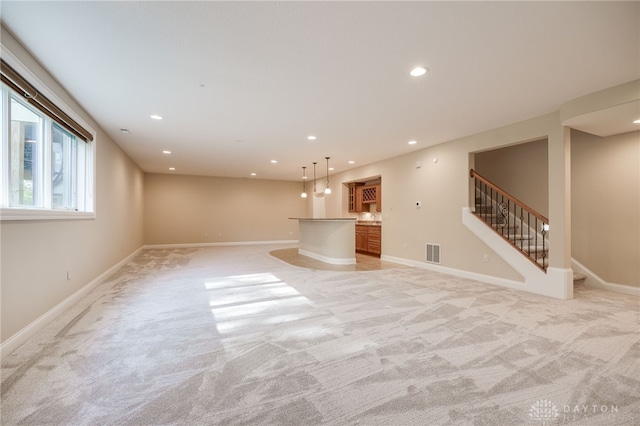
{"points": [[25, 156], [47, 169], [63, 169]]}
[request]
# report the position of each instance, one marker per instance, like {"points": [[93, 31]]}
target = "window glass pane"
{"points": [[63, 168], [25, 156]]}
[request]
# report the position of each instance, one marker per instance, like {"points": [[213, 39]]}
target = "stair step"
{"points": [[544, 262], [538, 254], [579, 278], [495, 220], [530, 249], [484, 209], [519, 237], [512, 228]]}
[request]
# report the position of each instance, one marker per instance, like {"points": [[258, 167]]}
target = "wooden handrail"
{"points": [[535, 213]]}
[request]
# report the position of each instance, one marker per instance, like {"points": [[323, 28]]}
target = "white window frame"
{"points": [[85, 198]]}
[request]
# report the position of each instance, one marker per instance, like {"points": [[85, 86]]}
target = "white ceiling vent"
{"points": [[432, 253]]}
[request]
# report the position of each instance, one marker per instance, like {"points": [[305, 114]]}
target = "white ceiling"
{"points": [[242, 83]]}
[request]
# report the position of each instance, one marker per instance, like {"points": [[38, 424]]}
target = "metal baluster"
{"points": [[521, 227], [510, 224], [536, 240], [529, 232], [544, 237]]}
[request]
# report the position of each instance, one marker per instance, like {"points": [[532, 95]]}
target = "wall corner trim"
{"points": [[595, 281]]}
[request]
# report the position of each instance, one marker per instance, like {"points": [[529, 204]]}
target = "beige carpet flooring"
{"points": [[236, 336]]}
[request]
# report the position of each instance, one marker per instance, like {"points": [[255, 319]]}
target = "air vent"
{"points": [[432, 253]]}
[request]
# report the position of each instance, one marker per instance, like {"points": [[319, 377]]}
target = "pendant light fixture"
{"points": [[327, 189], [314, 177], [304, 182]]}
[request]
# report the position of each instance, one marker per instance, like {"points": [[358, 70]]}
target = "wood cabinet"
{"points": [[355, 205], [368, 239], [374, 240], [362, 244], [361, 196]]}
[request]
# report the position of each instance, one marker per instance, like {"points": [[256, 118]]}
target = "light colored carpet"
{"points": [[234, 336]]}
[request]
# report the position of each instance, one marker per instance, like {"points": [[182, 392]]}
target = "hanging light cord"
{"points": [[304, 182], [328, 190], [314, 177]]}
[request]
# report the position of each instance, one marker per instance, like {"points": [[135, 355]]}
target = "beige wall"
{"points": [[606, 205], [521, 170], [35, 255], [196, 209]]}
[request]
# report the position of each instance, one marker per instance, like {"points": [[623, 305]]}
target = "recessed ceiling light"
{"points": [[125, 131], [253, 174], [156, 117], [172, 168], [418, 71], [274, 161], [331, 169], [166, 152], [412, 142], [637, 121], [311, 138], [352, 162]]}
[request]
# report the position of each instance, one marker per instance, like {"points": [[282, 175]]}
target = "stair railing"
{"points": [[525, 228]]}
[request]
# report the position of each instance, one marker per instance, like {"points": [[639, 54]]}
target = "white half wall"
{"points": [[556, 282]]}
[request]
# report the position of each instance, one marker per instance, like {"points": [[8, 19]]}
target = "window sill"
{"points": [[7, 214]]}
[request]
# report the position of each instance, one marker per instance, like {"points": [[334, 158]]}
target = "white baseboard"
{"points": [[221, 244], [592, 279], [12, 343], [23, 335], [595, 281], [488, 279]]}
